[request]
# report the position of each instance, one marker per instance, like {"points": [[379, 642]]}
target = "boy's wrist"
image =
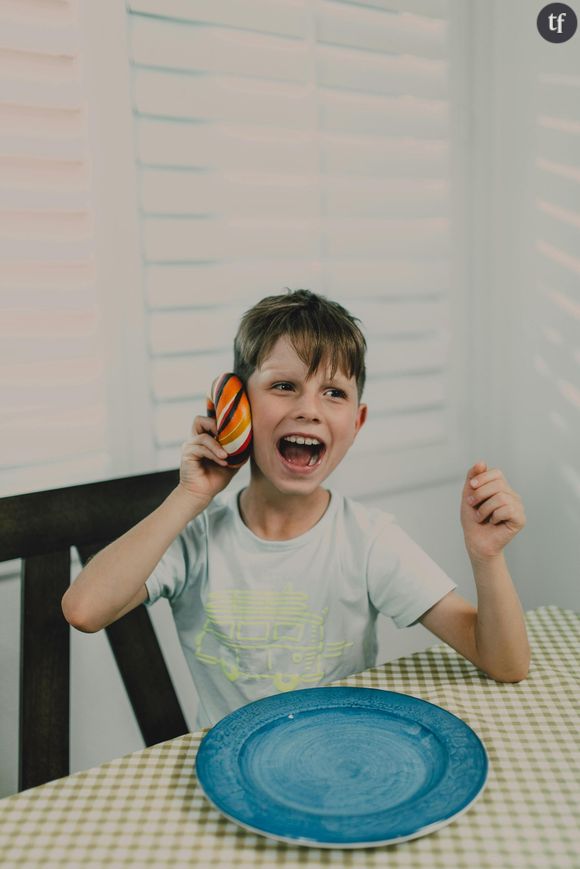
{"points": [[189, 505], [490, 572], [486, 561]]}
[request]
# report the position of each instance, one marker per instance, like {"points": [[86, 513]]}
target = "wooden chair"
{"points": [[40, 528]]}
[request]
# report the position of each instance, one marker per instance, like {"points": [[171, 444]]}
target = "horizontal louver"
{"points": [[301, 144], [53, 419]]}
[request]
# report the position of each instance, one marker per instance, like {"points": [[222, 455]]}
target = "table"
{"points": [[147, 809]]}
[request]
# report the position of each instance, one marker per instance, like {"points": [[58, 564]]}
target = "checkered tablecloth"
{"points": [[146, 809]]}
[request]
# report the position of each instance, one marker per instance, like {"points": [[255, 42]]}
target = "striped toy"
{"points": [[228, 403]]}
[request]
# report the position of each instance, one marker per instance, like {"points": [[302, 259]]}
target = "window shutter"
{"points": [[53, 419], [302, 144]]}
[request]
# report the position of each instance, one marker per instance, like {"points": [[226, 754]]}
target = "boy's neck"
{"points": [[281, 517]]}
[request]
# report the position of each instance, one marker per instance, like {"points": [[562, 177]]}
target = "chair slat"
{"points": [[143, 670], [146, 678], [44, 670]]}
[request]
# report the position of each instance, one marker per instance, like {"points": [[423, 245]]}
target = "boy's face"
{"points": [[283, 402]]}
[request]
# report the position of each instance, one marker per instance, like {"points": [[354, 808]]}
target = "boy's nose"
{"points": [[310, 417], [308, 409]]}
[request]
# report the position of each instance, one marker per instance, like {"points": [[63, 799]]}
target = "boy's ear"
{"points": [[361, 417]]}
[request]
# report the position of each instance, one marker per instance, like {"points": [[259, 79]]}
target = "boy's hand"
{"points": [[491, 512], [204, 470]]}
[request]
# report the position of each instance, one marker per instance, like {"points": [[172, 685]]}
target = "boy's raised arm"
{"points": [[116, 575], [113, 582], [493, 636]]}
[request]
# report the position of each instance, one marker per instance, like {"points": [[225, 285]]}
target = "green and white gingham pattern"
{"points": [[146, 809]]}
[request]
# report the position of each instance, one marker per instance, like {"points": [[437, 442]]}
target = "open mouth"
{"points": [[301, 455]]}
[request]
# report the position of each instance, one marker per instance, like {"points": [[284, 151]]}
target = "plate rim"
{"points": [[309, 842]]}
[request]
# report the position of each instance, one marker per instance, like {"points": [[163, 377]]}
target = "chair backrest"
{"points": [[40, 528]]}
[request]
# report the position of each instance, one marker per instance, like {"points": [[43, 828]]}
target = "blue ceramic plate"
{"points": [[341, 767]]}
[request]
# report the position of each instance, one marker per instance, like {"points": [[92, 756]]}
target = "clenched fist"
{"points": [[491, 512]]}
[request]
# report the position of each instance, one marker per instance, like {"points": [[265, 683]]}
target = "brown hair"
{"points": [[317, 328]]}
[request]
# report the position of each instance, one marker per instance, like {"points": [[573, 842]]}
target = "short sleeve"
{"points": [[182, 564], [403, 581]]}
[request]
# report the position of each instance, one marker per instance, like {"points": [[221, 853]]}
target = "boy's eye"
{"points": [[339, 392]]}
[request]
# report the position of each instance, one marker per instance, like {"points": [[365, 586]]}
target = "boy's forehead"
{"points": [[283, 359], [282, 351]]}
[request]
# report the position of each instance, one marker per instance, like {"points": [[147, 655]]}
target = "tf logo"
{"points": [[557, 22]]}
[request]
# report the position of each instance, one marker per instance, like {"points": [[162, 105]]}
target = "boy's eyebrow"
{"points": [[278, 372]]}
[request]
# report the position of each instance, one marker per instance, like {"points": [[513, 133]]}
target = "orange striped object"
{"points": [[229, 405]]}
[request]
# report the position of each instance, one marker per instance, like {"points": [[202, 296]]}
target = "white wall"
{"points": [[525, 349]]}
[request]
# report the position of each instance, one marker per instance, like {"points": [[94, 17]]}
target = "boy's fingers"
{"points": [[490, 476], [202, 424], [500, 501], [200, 450], [204, 439], [492, 487], [477, 468]]}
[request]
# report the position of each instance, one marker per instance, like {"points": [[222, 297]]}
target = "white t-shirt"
{"points": [[256, 617]]}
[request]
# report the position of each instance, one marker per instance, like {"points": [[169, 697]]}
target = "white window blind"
{"points": [[303, 144], [277, 143], [53, 414]]}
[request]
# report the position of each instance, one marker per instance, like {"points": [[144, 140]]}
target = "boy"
{"points": [[279, 587]]}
